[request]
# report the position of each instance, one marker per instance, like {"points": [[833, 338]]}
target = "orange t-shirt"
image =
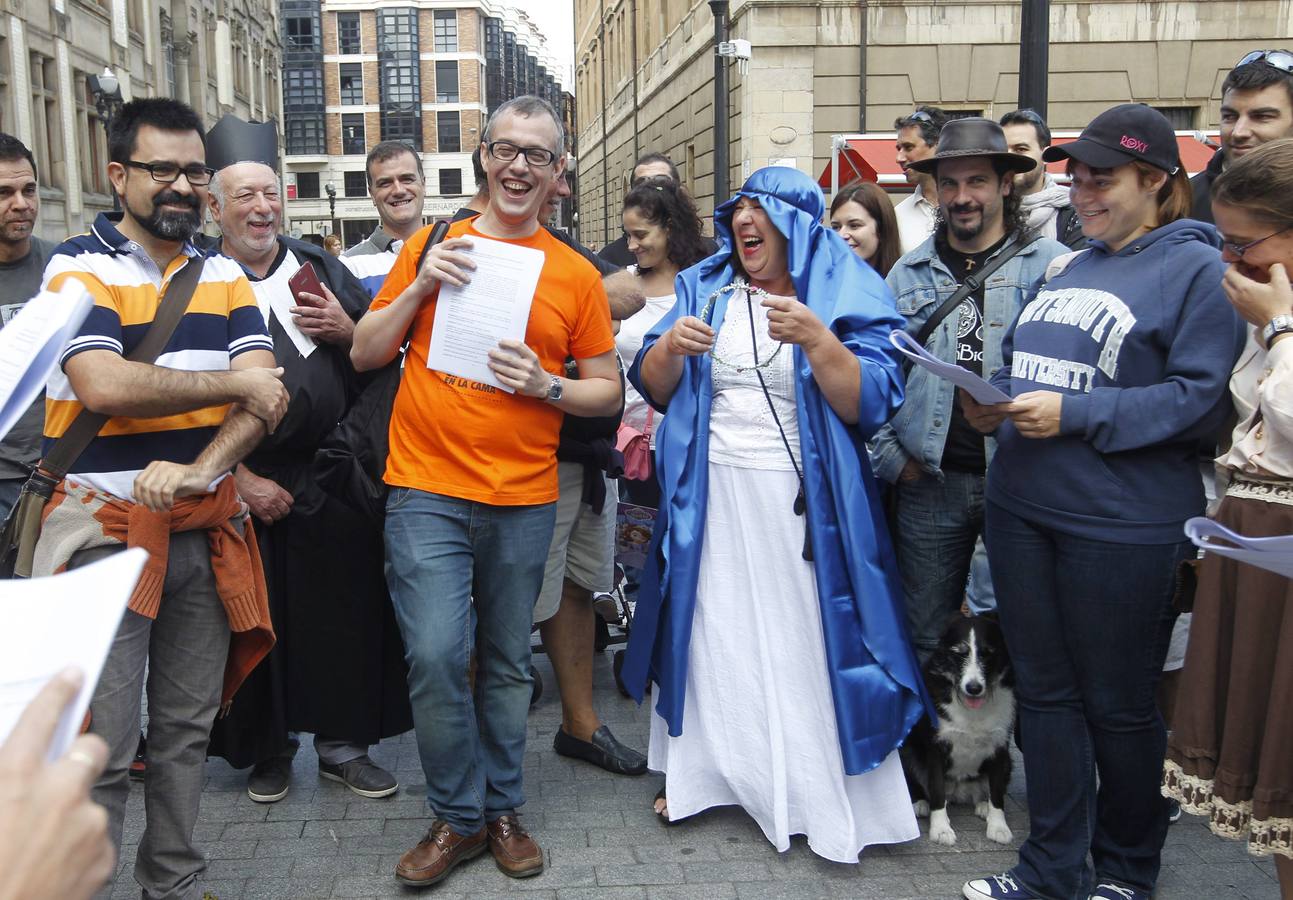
{"points": [[469, 440]]}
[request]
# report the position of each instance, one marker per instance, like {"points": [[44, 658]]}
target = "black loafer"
{"points": [[603, 750]]}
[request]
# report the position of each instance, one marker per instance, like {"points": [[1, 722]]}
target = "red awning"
{"points": [[870, 157]]}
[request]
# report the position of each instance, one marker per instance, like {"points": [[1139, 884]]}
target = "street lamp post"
{"points": [[331, 190], [1034, 55], [107, 100], [721, 172]]}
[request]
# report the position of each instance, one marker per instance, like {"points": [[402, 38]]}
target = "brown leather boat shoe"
{"points": [[514, 850], [436, 854]]}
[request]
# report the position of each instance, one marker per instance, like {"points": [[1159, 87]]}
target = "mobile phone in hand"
{"points": [[306, 280]]}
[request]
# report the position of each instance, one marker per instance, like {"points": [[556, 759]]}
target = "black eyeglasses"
{"points": [[169, 173], [1240, 249], [1280, 59], [506, 151]]}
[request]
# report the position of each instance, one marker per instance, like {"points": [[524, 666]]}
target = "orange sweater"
{"points": [[235, 559]]}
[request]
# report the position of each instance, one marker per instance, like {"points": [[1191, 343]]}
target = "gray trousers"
{"points": [[185, 649]]}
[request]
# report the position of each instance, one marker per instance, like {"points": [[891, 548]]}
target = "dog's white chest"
{"points": [[973, 735]]}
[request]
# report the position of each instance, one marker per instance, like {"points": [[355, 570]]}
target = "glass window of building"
{"points": [[446, 31], [352, 133], [397, 31], [304, 134], [348, 40], [450, 136], [399, 83], [351, 78], [402, 126], [301, 33], [446, 81], [307, 185], [356, 184], [450, 181]]}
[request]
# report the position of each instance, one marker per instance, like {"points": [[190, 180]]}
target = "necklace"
{"points": [[708, 312]]}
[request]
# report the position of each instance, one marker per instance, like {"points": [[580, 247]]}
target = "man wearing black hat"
{"points": [[929, 451], [1256, 107], [337, 671]]}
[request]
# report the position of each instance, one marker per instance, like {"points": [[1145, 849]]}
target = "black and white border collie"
{"points": [[966, 757]]}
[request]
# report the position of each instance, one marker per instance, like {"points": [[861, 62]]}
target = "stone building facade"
{"points": [[644, 75], [221, 56], [422, 71]]}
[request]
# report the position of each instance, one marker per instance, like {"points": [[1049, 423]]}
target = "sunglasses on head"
{"points": [[920, 116], [1280, 59]]}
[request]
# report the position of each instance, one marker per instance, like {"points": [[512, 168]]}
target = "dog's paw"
{"points": [[940, 829], [981, 809], [998, 830], [920, 808]]}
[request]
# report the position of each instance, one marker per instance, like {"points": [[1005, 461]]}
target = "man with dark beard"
{"points": [[157, 476], [932, 455], [337, 671]]}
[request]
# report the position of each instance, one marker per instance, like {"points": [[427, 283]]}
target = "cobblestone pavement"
{"points": [[602, 840]]}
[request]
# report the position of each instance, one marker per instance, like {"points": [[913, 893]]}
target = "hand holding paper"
{"points": [[975, 386]]}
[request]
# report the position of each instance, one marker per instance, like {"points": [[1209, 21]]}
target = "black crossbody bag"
{"points": [[21, 529]]}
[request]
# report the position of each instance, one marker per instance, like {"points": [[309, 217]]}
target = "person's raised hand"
{"points": [[445, 262], [1258, 303], [1036, 414], [324, 319], [983, 417], [792, 322], [517, 366], [262, 394], [689, 336], [53, 838]]}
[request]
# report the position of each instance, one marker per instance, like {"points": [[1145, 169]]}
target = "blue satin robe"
{"points": [[875, 679]]}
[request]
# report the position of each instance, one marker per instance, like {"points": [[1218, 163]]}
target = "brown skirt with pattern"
{"points": [[1230, 755]]}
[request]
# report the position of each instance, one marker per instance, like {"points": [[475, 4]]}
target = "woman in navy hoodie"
{"points": [[1118, 370]]}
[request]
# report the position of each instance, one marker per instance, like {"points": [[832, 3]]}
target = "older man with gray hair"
{"points": [[473, 475], [337, 670]]}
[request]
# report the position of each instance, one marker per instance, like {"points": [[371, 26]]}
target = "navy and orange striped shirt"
{"points": [[221, 322]]}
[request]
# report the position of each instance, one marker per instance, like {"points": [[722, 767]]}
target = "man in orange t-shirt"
{"points": [[473, 478]]}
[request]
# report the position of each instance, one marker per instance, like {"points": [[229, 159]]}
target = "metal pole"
{"points": [[721, 168], [863, 12], [1034, 55]]}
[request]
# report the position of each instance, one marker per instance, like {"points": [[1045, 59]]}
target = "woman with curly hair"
{"points": [[663, 230]]}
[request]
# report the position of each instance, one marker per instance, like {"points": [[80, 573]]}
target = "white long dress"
{"points": [[759, 723]]}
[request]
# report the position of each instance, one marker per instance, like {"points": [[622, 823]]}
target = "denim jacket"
{"points": [[921, 283]]}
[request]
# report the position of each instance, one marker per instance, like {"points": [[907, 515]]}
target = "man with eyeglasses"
{"points": [[473, 477], [157, 476], [1256, 107], [337, 671], [916, 139]]}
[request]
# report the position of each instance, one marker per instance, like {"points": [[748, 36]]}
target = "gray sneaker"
{"points": [[269, 779], [361, 775]]}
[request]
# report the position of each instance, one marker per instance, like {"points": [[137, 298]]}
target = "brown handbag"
{"points": [[21, 529]]}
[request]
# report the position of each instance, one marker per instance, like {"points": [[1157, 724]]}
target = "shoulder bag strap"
{"points": [[175, 300]]}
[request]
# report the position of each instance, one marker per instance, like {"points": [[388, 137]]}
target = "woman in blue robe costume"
{"points": [[805, 738]]}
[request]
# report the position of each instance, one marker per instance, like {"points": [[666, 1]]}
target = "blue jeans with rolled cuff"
{"points": [[444, 555], [1087, 624]]}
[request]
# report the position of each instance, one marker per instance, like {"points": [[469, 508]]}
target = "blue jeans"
{"points": [[442, 555], [1087, 625], [938, 525]]}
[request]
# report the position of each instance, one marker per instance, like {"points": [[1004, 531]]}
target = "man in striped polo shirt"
{"points": [[156, 476], [397, 186]]}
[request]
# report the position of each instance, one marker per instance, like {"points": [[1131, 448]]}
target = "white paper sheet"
{"points": [[472, 319], [48, 624], [1274, 554], [979, 389], [31, 343]]}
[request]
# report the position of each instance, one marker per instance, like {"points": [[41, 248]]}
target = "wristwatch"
{"points": [[1278, 325], [554, 389]]}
